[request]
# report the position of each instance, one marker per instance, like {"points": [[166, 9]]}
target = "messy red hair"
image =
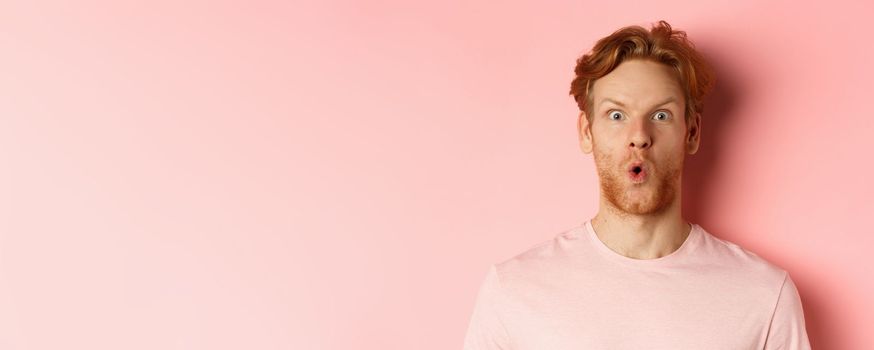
{"points": [[660, 44]]}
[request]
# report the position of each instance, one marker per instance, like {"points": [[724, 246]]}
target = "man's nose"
{"points": [[641, 135]]}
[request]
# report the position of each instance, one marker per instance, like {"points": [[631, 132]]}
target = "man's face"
{"points": [[639, 136]]}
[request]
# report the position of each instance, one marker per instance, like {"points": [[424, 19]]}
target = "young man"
{"points": [[637, 275]]}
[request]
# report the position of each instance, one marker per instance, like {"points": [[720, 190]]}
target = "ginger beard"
{"points": [[653, 196]]}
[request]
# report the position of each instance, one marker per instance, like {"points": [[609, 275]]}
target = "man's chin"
{"points": [[636, 207], [638, 200]]}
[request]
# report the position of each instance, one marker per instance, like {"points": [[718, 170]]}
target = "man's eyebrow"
{"points": [[620, 104]]}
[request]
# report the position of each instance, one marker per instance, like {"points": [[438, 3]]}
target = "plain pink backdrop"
{"points": [[339, 175]]}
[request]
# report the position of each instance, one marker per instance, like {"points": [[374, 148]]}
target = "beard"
{"points": [[653, 196]]}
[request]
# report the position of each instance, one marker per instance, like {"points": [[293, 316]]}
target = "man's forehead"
{"points": [[650, 100], [637, 82], [635, 88]]}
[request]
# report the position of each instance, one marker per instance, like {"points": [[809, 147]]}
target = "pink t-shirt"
{"points": [[574, 292]]}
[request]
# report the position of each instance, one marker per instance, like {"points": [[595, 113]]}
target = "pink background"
{"points": [[339, 175]]}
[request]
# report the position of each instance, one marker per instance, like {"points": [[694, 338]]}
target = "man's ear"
{"points": [[584, 130], [693, 134]]}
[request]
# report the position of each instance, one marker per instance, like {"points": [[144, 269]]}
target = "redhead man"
{"points": [[637, 275]]}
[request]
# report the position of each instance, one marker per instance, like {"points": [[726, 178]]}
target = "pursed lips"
{"points": [[637, 171]]}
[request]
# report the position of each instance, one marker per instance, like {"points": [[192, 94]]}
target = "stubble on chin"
{"points": [[614, 187]]}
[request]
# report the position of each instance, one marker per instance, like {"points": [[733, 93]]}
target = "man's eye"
{"points": [[661, 115], [615, 114]]}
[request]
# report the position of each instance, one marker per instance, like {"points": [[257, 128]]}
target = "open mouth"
{"points": [[637, 172]]}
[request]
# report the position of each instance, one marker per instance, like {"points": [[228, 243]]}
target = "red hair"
{"points": [[660, 44]]}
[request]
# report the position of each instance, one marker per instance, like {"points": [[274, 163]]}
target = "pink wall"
{"points": [[266, 175]]}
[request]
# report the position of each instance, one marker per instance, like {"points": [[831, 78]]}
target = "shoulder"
{"points": [[541, 259], [721, 255]]}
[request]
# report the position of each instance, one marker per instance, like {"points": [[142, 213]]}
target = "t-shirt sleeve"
{"points": [[486, 330], [787, 330]]}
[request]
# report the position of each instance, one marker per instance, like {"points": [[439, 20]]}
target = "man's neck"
{"points": [[641, 236]]}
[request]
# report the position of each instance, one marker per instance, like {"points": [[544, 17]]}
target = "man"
{"points": [[637, 275]]}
